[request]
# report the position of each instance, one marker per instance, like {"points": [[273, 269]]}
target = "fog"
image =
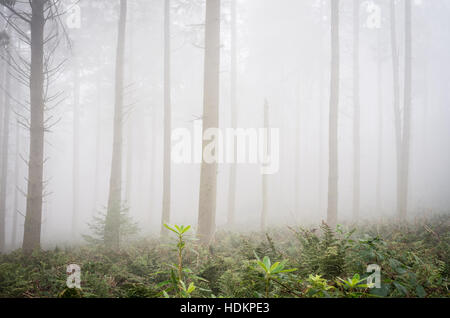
{"points": [[283, 53]]}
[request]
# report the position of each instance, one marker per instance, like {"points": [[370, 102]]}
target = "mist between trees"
{"points": [[96, 96]]}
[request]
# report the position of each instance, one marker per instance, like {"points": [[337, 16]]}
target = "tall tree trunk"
{"points": [[396, 82], [406, 136], [130, 124], [380, 123], [321, 112], [208, 175], [5, 154], [76, 147], [97, 141], [2, 99], [153, 162], [297, 156], [333, 120], [129, 167], [16, 189], [167, 122], [112, 224], [356, 113], [33, 218], [2, 78], [233, 100], [265, 199]]}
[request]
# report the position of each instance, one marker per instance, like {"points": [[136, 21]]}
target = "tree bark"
{"points": [[322, 109], [112, 224], [16, 189], [297, 149], [153, 162], [380, 123], [33, 218], [130, 124], [356, 113], [265, 199], [208, 175], [406, 137], [396, 82], [333, 120], [5, 154], [167, 122], [233, 100], [97, 142], [76, 147]]}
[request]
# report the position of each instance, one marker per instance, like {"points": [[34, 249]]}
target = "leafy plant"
{"points": [[272, 271], [179, 274], [351, 285], [318, 287], [181, 244]]}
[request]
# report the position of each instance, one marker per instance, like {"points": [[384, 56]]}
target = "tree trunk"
{"points": [[356, 114], [5, 153], [297, 156], [33, 218], [320, 189], [405, 150], [396, 82], [153, 162], [16, 189], [380, 124], [208, 175], [130, 124], [233, 100], [333, 120], [167, 122], [112, 224], [97, 142], [264, 176], [76, 147]]}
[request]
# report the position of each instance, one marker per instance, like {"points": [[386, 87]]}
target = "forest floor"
{"points": [[413, 261]]}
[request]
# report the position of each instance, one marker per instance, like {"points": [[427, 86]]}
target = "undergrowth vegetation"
{"points": [[291, 262]]}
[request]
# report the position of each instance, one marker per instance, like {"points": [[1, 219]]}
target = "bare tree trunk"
{"points": [[380, 123], [405, 151], [97, 142], [2, 99], [167, 122], [33, 218], [112, 224], [333, 121], [396, 82], [16, 189], [130, 124], [129, 180], [5, 154], [356, 114], [208, 175], [321, 113], [76, 147], [153, 162], [3, 67], [233, 95], [265, 202], [297, 156]]}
